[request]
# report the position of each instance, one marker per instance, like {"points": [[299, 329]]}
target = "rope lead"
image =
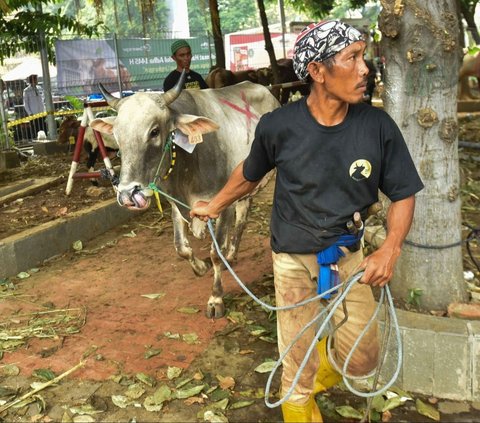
{"points": [[330, 308]]}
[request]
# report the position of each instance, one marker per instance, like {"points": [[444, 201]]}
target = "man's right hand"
{"points": [[202, 211]]}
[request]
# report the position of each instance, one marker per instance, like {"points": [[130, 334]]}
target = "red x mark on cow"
{"points": [[246, 111]]}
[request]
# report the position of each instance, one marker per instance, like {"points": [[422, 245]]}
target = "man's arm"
{"points": [[236, 187], [380, 264]]}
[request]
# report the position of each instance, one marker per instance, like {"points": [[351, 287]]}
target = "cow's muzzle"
{"points": [[137, 198]]}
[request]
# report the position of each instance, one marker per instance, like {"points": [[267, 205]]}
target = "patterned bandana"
{"points": [[319, 42]]}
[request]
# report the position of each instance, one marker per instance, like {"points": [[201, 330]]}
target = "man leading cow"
{"points": [[332, 154]]}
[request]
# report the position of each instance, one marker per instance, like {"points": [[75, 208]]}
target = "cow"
{"points": [[222, 123], [69, 128], [220, 77]]}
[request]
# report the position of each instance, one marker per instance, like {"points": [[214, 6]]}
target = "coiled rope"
{"points": [[330, 308]]}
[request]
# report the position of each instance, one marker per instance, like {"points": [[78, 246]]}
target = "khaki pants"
{"points": [[296, 278]]}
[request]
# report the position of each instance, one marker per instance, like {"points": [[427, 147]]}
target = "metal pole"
{"points": [[47, 87], [3, 116], [119, 76], [284, 27]]}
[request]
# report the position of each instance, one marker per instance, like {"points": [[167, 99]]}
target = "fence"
{"points": [[129, 64]]}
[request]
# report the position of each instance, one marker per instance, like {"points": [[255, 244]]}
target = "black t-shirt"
{"points": [[193, 80], [325, 174]]}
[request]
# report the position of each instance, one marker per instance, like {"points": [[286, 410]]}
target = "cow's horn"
{"points": [[171, 95], [111, 100]]}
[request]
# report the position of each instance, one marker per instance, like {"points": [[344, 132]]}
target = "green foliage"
{"points": [[414, 296], [27, 19], [318, 9], [76, 103]]}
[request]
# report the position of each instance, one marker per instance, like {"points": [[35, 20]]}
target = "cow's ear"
{"points": [[193, 125], [103, 125]]}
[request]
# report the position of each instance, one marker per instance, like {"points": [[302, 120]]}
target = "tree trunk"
{"points": [[268, 41], [217, 34], [421, 47]]}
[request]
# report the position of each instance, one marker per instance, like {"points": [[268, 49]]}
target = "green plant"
{"points": [[414, 296]]}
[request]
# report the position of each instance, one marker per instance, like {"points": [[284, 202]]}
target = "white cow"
{"points": [[226, 118]]}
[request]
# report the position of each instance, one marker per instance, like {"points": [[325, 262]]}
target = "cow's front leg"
{"points": [[241, 214], [215, 306], [182, 246]]}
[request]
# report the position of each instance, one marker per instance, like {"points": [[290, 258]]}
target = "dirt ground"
{"points": [[132, 312]]}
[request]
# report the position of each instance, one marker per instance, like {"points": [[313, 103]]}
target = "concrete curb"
{"points": [[30, 248], [441, 356]]}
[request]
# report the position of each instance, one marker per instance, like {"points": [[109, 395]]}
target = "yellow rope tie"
{"points": [[157, 199], [173, 157]]}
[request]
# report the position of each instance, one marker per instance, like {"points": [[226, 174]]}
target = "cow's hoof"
{"points": [[202, 266], [215, 308]]}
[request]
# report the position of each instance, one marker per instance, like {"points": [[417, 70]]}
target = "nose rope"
{"points": [[330, 308]]}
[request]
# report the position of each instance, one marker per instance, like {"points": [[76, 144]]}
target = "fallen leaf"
{"points": [[170, 335], [190, 392], [146, 379], [188, 310], [226, 382], [386, 416], [378, 402], [44, 374], [23, 275], [427, 410], [61, 212], [198, 375], [77, 245], [121, 401], [173, 372], [265, 367], [190, 338], [44, 209], [85, 409], [392, 403], [135, 391], [152, 352], [214, 417], [349, 412], [394, 391], [237, 317], [9, 370], [241, 404], [154, 296], [194, 400], [244, 352], [253, 393]]}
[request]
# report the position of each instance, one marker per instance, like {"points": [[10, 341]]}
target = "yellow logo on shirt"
{"points": [[360, 169]]}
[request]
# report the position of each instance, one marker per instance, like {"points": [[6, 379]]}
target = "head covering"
{"points": [[319, 42], [178, 45]]}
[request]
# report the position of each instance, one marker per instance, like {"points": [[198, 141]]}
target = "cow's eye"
{"points": [[154, 133]]}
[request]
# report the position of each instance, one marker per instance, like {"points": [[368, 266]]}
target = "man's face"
{"points": [[346, 80], [183, 58]]}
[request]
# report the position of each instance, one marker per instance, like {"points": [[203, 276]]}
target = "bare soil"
{"points": [[132, 312]]}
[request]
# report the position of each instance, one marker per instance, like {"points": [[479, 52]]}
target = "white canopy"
{"points": [[29, 66]]}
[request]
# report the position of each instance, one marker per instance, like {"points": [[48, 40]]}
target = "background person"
{"points": [[332, 153], [33, 104], [182, 54]]}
